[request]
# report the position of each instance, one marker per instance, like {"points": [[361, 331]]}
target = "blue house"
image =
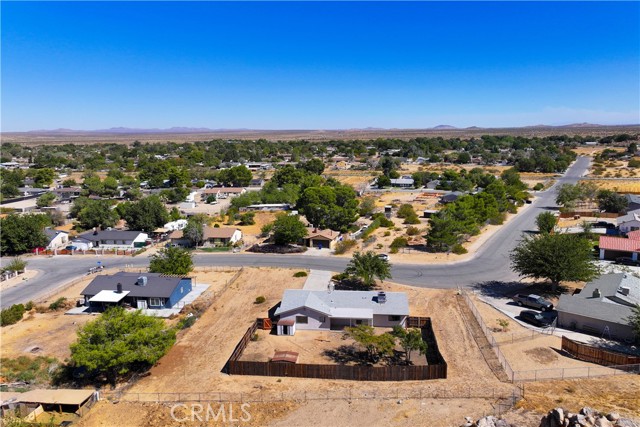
{"points": [[137, 290]]}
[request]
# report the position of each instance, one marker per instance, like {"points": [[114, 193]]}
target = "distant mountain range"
{"points": [[188, 130]]}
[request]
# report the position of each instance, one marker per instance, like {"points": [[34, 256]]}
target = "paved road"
{"points": [[490, 263]]}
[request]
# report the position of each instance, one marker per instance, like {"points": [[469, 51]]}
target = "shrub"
{"points": [[11, 315], [413, 231], [379, 246], [539, 186], [29, 306], [58, 304], [16, 264], [266, 229], [383, 220], [399, 242], [458, 249], [255, 337], [344, 245], [247, 218], [634, 163], [260, 300], [370, 229], [216, 225], [406, 211], [186, 322], [387, 233], [300, 274], [412, 220]]}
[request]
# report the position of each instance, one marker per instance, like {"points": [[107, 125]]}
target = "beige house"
{"points": [[212, 236], [319, 238]]}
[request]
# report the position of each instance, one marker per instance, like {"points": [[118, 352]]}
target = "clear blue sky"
{"points": [[318, 65]]}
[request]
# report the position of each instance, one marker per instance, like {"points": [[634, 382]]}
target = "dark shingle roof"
{"points": [[109, 235], [157, 285]]}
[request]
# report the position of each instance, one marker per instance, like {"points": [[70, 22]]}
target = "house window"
{"points": [[323, 319], [358, 321], [302, 320], [156, 302], [394, 318]]}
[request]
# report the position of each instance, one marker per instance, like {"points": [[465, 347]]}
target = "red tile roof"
{"points": [[635, 235], [619, 244]]}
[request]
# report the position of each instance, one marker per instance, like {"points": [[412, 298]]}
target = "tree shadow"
{"points": [[348, 354], [499, 289]]}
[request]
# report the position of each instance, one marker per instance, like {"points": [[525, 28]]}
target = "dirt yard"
{"points": [[51, 333], [313, 347]]}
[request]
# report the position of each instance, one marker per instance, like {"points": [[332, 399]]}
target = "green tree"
{"points": [[288, 229], [463, 158], [237, 176], [45, 200], [194, 230], [119, 342], [410, 340], [568, 195], [314, 166], [555, 257], [367, 206], [383, 181], [368, 266], [610, 201], [329, 207], [97, 213], [546, 222], [374, 345], [171, 261], [42, 177], [146, 215], [22, 233], [69, 182]]}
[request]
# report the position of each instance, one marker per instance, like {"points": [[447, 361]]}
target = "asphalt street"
{"points": [[490, 263]]}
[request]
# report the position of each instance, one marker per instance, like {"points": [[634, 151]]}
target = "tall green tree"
{"points": [[555, 257], [546, 222], [42, 177], [146, 215], [329, 207], [610, 201], [119, 342], [22, 233], [194, 230], [288, 229], [314, 166], [368, 266], [171, 260], [45, 200], [97, 213], [237, 176]]}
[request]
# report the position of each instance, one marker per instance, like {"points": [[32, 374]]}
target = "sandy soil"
{"points": [[310, 346], [523, 349]]}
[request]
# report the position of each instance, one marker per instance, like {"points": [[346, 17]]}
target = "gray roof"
{"points": [[630, 216], [51, 233], [157, 285], [402, 181], [632, 198], [611, 306], [335, 302], [109, 235]]}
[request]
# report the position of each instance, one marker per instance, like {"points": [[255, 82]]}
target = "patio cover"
{"points": [[57, 397], [108, 296]]}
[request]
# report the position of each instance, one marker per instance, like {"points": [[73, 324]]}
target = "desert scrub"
{"points": [[344, 246], [300, 274]]}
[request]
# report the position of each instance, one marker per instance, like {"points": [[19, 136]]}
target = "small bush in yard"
{"points": [[29, 306], [260, 300], [458, 249], [504, 324], [399, 242], [58, 304], [413, 231], [186, 322], [254, 337], [11, 315], [343, 246], [387, 233], [300, 274], [538, 186]]}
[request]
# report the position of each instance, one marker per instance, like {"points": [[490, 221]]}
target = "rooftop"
{"points": [[97, 235], [619, 244], [157, 285], [314, 233], [344, 303]]}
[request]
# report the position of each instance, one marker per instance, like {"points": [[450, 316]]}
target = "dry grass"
{"points": [[618, 185]]}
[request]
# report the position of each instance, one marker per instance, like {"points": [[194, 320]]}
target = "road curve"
{"points": [[490, 263]]}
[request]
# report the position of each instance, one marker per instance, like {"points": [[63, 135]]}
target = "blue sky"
{"points": [[92, 65]]}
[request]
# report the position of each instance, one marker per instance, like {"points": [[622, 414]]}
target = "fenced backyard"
{"points": [[616, 367], [436, 365]]}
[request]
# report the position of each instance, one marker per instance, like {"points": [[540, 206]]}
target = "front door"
{"points": [[142, 304]]}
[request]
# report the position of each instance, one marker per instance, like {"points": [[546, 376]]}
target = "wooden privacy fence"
{"points": [[590, 214], [597, 355], [436, 368]]}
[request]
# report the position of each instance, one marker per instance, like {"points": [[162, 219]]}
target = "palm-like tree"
{"points": [[368, 266]]}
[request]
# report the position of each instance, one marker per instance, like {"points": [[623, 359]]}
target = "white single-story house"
{"points": [[223, 192], [67, 193], [57, 239], [602, 307], [212, 236], [402, 182], [114, 239], [629, 222], [333, 310], [323, 238]]}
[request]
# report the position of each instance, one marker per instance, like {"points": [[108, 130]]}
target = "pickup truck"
{"points": [[533, 301]]}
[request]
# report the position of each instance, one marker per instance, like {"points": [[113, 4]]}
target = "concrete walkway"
{"points": [[318, 280]]}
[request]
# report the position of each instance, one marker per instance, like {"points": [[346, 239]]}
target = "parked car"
{"points": [[603, 224], [533, 301], [627, 261], [534, 318], [384, 257], [71, 248]]}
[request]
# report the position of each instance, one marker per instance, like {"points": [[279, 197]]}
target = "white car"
{"points": [[384, 257]]}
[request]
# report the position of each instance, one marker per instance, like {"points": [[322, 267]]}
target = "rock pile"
{"points": [[587, 417], [489, 421]]}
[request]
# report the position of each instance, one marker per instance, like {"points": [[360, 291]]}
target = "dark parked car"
{"points": [[603, 224], [71, 248], [534, 318], [627, 261]]}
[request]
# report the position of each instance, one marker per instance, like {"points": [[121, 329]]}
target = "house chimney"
{"points": [[596, 293], [95, 231], [119, 288], [624, 290], [382, 297]]}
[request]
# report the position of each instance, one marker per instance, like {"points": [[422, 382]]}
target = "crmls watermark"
{"points": [[224, 412]]}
